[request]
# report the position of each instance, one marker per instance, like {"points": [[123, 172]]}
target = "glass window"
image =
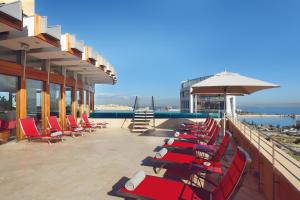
{"points": [[68, 93], [78, 102], [8, 90], [54, 99], [34, 99]]}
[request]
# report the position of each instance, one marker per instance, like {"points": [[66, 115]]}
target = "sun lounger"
{"points": [[192, 144], [193, 136], [87, 122], [165, 158], [143, 186], [196, 132], [32, 133], [195, 125], [72, 124], [186, 172], [54, 127]]}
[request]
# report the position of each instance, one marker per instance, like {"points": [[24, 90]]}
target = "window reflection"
{"points": [[68, 93], [8, 90], [54, 99], [34, 99]]}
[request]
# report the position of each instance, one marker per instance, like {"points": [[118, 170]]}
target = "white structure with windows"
{"points": [[196, 103]]}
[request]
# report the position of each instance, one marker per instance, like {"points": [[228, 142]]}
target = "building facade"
{"points": [[42, 71], [196, 103]]}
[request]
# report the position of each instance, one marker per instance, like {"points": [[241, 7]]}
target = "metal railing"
{"points": [[271, 149], [153, 108]]}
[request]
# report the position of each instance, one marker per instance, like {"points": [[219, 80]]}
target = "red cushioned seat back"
{"points": [[72, 121], [85, 119], [8, 125], [214, 136], [234, 176], [206, 120], [212, 128], [222, 147], [211, 122], [53, 124], [29, 128]]}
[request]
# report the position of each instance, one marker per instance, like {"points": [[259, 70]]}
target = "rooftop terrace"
{"points": [[84, 168]]}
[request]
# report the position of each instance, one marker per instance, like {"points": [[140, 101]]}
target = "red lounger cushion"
{"points": [[180, 144], [162, 189]]}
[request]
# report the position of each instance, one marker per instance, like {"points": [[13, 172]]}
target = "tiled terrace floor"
{"points": [[83, 168]]}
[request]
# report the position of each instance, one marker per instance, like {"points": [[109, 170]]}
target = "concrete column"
{"points": [[231, 106], [81, 105], [196, 103], [62, 103], [87, 100], [191, 101]]}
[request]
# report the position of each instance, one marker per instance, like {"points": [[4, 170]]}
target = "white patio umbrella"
{"points": [[230, 83]]}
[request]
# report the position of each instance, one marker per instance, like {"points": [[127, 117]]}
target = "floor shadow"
{"points": [[148, 162], [116, 187], [158, 148], [173, 123], [159, 133]]}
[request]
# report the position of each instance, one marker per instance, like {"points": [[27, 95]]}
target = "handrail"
{"points": [[135, 103], [153, 111], [269, 148]]}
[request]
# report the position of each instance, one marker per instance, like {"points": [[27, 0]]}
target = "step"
{"points": [[141, 117], [144, 115], [140, 127], [139, 131], [141, 113], [141, 123]]}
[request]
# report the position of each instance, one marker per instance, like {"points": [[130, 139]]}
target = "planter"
{"points": [[4, 135]]}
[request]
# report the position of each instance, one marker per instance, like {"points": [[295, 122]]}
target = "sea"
{"points": [[274, 121]]}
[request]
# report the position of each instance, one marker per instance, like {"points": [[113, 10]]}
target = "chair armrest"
{"points": [[200, 176]]}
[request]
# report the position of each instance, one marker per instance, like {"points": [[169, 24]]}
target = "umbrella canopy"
{"points": [[228, 83]]}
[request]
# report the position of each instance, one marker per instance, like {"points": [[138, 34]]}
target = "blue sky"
{"points": [[156, 44]]}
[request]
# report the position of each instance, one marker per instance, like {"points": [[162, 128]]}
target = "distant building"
{"points": [[195, 103]]}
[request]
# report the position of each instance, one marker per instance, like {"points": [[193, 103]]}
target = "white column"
{"points": [[191, 101], [231, 105], [196, 103]]}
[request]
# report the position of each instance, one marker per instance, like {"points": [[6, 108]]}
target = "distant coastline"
{"points": [[266, 115]]}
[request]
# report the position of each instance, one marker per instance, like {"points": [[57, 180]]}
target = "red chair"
{"points": [[11, 124], [7, 125], [150, 187], [196, 135], [195, 125], [179, 144], [184, 162], [177, 171], [32, 133], [73, 126], [54, 126], [198, 131], [87, 122]]}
